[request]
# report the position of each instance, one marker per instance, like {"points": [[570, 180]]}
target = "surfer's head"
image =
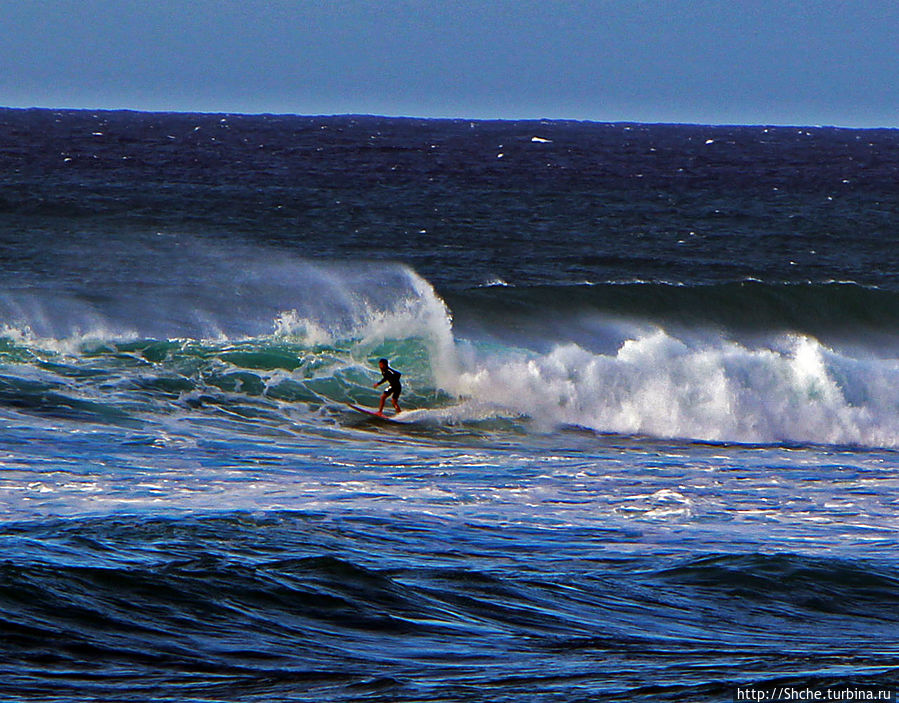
{"points": [[383, 364]]}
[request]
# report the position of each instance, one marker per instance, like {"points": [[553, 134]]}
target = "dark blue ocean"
{"points": [[650, 441]]}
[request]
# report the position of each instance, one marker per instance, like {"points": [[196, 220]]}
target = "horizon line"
{"points": [[378, 115]]}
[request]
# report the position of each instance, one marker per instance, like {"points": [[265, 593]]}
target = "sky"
{"points": [[810, 62]]}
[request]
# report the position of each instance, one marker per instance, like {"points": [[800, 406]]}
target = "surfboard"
{"points": [[372, 413]]}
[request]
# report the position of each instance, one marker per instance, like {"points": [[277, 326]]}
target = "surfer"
{"points": [[392, 376]]}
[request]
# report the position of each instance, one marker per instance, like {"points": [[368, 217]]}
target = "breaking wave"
{"points": [[747, 362]]}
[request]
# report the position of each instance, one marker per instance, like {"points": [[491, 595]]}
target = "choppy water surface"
{"points": [[651, 380]]}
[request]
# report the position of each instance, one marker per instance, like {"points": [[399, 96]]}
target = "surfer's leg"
{"points": [[381, 406]]}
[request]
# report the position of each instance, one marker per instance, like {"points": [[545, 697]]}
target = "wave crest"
{"points": [[720, 390]]}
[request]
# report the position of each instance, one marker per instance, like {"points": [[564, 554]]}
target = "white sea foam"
{"points": [[72, 344], [795, 390], [358, 307], [290, 323], [495, 282]]}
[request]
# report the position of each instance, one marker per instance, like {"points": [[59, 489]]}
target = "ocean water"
{"points": [[650, 437]]}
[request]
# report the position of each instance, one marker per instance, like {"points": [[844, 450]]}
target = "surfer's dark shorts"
{"points": [[394, 391]]}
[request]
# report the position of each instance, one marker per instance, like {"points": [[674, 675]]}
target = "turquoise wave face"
{"points": [[120, 382]]}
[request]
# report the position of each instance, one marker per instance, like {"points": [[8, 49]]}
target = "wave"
{"points": [[727, 363], [719, 390], [791, 582], [748, 362]]}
